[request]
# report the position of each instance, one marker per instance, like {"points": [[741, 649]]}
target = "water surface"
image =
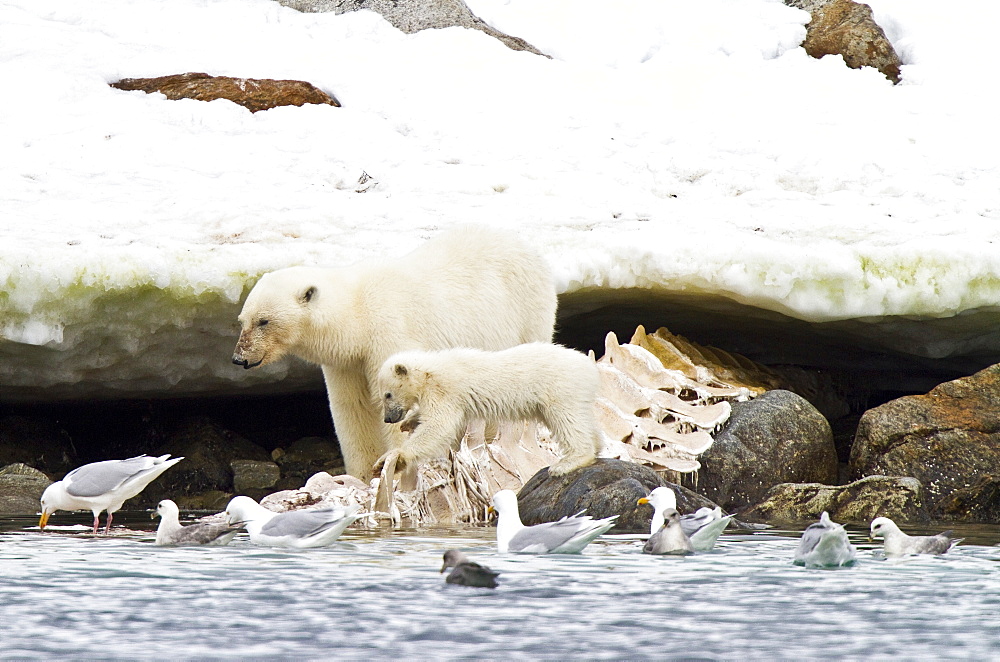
{"points": [[378, 594]]}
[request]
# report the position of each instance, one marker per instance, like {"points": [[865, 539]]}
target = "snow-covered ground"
{"points": [[682, 146]]}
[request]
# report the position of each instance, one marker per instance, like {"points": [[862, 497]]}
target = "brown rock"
{"points": [[948, 439], [846, 28], [252, 93], [861, 501]]}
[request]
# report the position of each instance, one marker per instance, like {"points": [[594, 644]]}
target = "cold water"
{"points": [[378, 594]]}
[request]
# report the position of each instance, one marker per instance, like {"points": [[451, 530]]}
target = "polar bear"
{"points": [[468, 287], [437, 393]]}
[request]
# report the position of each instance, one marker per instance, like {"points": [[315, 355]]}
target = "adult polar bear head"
{"points": [[275, 315]]}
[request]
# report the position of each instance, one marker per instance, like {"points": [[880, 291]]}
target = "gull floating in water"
{"points": [[897, 543], [103, 486], [568, 535], [295, 528], [466, 572], [825, 544], [670, 539], [172, 532], [703, 527]]}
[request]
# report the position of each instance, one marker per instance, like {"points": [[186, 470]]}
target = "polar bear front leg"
{"points": [[357, 420], [433, 438]]}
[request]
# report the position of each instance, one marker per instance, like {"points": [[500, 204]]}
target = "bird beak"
{"points": [[642, 501], [154, 514], [490, 510], [43, 520]]}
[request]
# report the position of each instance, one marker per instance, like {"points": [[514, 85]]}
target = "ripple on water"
{"points": [[380, 594]]}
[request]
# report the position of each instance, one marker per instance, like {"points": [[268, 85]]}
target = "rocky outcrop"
{"points": [[21, 489], [948, 439], [607, 487], [38, 443], [305, 457], [254, 94], [846, 28], [899, 498], [414, 15], [775, 438]]}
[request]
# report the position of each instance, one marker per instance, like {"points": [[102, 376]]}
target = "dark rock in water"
{"points": [[847, 28], [607, 487], [948, 439], [208, 450], [21, 489], [861, 501], [775, 438], [254, 94], [411, 16], [37, 443], [979, 502]]}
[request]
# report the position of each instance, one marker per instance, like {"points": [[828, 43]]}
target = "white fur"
{"points": [[441, 391], [471, 286]]}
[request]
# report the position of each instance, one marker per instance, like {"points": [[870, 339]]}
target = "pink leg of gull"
{"points": [[97, 520], [107, 527]]}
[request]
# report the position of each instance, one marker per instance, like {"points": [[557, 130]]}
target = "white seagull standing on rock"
{"points": [[296, 528], [897, 543], [824, 544], [172, 532], [103, 486], [568, 535], [703, 527]]}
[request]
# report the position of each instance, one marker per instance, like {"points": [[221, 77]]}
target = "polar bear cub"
{"points": [[438, 392]]}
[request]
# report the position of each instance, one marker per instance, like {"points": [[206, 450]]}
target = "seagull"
{"points": [[103, 486], [296, 528], [466, 572], [171, 532], [897, 543], [703, 527], [824, 544], [670, 539], [568, 535]]}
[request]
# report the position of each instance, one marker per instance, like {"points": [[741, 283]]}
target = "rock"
{"points": [[36, 443], [254, 94], [607, 487], [411, 16], [948, 439], [212, 501], [208, 450], [899, 498], [21, 489], [254, 475], [775, 438], [305, 457], [846, 28]]}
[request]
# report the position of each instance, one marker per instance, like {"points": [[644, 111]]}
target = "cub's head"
{"points": [[274, 316], [400, 385]]}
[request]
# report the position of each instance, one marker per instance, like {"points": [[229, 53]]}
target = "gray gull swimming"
{"points": [[897, 543], [295, 528], [568, 535], [670, 539], [103, 486], [703, 527], [172, 532], [466, 572], [824, 544]]}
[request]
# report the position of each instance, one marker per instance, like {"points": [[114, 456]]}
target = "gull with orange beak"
{"points": [[103, 486]]}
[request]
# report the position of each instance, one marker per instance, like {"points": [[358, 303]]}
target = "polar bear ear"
{"points": [[400, 370], [308, 295]]}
